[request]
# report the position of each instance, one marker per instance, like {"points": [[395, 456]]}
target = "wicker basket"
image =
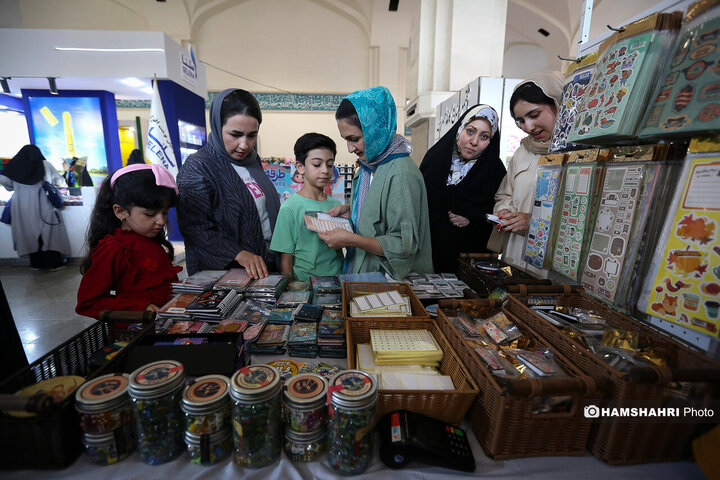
{"points": [[617, 440], [353, 289], [52, 439], [484, 283], [447, 405], [502, 415]]}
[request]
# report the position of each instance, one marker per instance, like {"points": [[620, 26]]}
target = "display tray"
{"points": [[222, 354], [52, 439], [484, 283], [447, 405], [503, 415], [626, 440], [352, 289]]}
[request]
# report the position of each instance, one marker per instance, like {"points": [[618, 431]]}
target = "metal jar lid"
{"points": [[305, 437], [102, 393], [157, 379], [206, 394], [306, 391], [353, 389], [255, 383], [194, 439]]}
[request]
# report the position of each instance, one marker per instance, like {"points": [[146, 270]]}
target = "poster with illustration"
{"points": [[684, 287], [538, 237], [688, 99], [576, 214], [616, 75], [619, 200], [576, 84], [288, 181]]}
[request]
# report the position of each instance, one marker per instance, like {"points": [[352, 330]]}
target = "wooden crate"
{"points": [[352, 289]]}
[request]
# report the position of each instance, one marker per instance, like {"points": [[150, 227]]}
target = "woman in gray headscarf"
{"points": [[227, 205]]}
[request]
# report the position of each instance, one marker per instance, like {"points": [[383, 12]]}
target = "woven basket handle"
{"points": [[665, 375], [37, 403], [531, 387], [524, 290]]}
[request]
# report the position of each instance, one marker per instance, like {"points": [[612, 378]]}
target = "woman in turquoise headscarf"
{"points": [[389, 202]]}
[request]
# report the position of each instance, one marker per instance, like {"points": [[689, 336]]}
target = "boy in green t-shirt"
{"points": [[303, 253]]}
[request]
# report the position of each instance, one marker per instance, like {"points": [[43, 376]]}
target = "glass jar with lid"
{"points": [[303, 403], [156, 392], [103, 404], [255, 391], [209, 449], [305, 446], [352, 405], [109, 448], [206, 403]]}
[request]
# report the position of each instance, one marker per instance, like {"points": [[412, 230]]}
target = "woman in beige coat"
{"points": [[534, 105]]}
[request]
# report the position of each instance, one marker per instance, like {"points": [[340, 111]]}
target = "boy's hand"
{"points": [[254, 264], [338, 238], [340, 211]]}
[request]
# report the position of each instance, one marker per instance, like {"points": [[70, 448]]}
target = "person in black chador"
{"points": [[462, 172]]}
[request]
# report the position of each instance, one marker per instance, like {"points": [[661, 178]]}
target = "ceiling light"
{"points": [[543, 32], [53, 85], [4, 83], [83, 49], [133, 82]]}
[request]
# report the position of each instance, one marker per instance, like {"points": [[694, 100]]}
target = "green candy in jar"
{"points": [[256, 415], [352, 407]]}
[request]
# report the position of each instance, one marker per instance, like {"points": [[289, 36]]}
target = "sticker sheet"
{"points": [[608, 247], [573, 91], [576, 213], [688, 99], [616, 75], [686, 288], [537, 239]]}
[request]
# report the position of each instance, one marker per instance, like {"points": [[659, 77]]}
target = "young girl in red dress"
{"points": [[130, 262]]}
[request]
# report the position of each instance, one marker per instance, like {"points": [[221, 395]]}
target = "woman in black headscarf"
{"points": [[37, 230], [462, 172], [227, 205]]}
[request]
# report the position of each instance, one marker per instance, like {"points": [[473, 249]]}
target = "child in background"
{"points": [[130, 262], [303, 253]]}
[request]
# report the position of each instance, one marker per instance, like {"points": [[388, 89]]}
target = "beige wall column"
{"points": [[452, 42]]}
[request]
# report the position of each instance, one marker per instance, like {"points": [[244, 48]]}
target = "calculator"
{"points": [[407, 436]]}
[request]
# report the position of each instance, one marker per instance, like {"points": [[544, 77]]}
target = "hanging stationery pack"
{"points": [[576, 209], [577, 79], [540, 233], [629, 182], [687, 99], [683, 286], [617, 94]]}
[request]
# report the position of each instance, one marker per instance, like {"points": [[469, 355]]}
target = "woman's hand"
{"points": [[254, 264], [152, 308], [338, 238], [458, 220], [340, 211], [516, 222]]}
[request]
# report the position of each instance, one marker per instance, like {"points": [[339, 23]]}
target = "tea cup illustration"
{"points": [[712, 307]]}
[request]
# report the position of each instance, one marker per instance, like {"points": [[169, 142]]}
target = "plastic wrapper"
{"points": [[539, 239], [500, 329], [621, 339], [577, 80], [534, 363]]}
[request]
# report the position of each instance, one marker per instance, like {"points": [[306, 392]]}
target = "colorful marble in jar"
{"points": [[206, 403], [209, 449], [156, 392], [109, 448], [305, 446], [255, 390], [303, 403], [103, 404], [352, 405]]}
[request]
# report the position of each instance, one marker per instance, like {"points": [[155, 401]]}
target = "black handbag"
{"points": [[53, 195]]}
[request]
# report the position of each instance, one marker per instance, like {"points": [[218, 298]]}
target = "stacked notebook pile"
{"points": [[383, 304], [326, 284], [302, 340], [187, 327], [229, 325], [282, 315], [293, 298], [331, 335], [198, 282], [176, 308], [214, 305], [267, 289], [328, 300], [272, 339], [235, 279], [307, 312]]}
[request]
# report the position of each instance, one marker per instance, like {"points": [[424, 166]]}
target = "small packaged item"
{"points": [[467, 324], [540, 363], [496, 362], [623, 339], [501, 329]]}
